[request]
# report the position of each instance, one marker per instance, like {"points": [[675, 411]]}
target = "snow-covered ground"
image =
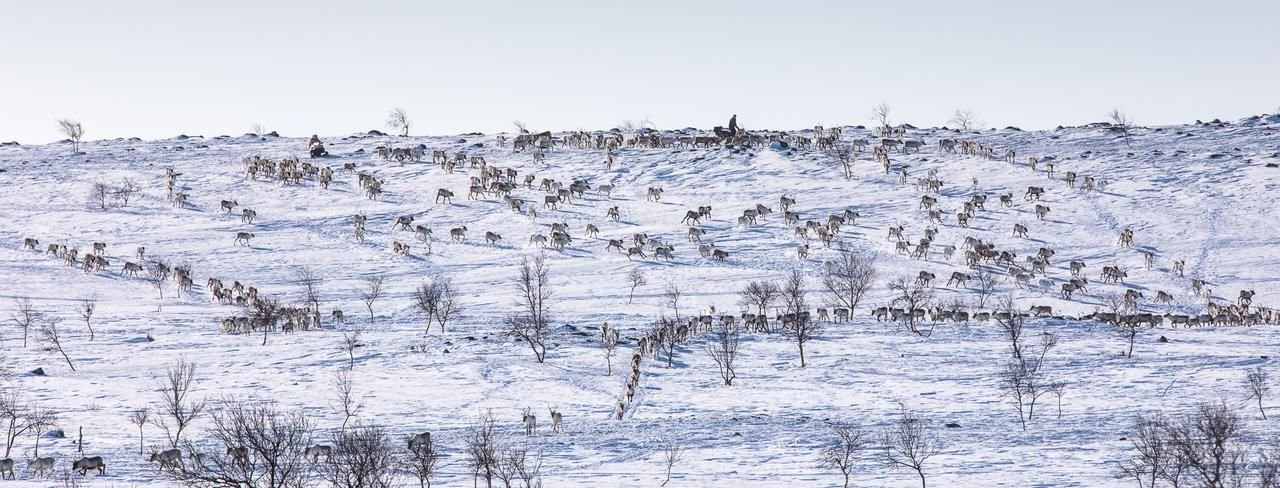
{"points": [[1200, 193]]}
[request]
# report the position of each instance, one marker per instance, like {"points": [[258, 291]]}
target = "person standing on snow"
{"points": [[733, 125]]}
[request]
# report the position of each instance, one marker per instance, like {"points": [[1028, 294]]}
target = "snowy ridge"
{"points": [[1201, 193]]}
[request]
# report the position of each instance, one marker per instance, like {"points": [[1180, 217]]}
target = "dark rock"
{"points": [[358, 151], [376, 132], [953, 425], [1272, 165], [1162, 340], [1013, 128], [37, 372], [271, 134]]}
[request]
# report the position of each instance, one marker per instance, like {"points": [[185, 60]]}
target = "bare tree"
{"points": [[759, 294], [50, 333], [41, 420], [482, 448], [350, 342], [371, 292], [842, 454], [175, 401], [24, 315], [909, 443], [1011, 324], [608, 341], [15, 412], [848, 278], [266, 315], [1210, 443], [986, 285], [399, 119], [844, 156], [528, 466], [1155, 458], [362, 458], [507, 466], [100, 195], [139, 418], [965, 120], [259, 129], [272, 440], [797, 324], [521, 128], [880, 113], [637, 279], [1269, 468], [449, 305], [1024, 378], [672, 453], [532, 332], [1256, 381], [1121, 122], [723, 349], [125, 192], [74, 131], [437, 299], [423, 461], [345, 401], [157, 272], [1119, 307], [668, 333], [534, 290], [910, 297], [85, 309], [672, 295], [309, 282]]}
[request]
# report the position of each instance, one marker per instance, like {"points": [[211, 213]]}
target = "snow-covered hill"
{"points": [[1199, 193]]}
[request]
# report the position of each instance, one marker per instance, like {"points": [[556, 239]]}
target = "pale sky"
{"points": [[156, 69]]}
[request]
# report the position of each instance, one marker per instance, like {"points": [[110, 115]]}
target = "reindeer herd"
{"points": [[512, 187]]}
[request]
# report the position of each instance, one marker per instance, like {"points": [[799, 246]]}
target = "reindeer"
{"points": [[227, 205], [167, 459], [86, 464], [130, 269], [1019, 230], [443, 194], [1041, 211], [654, 194], [492, 238], [314, 453], [419, 441], [243, 237], [556, 419], [458, 234], [247, 215], [530, 422], [925, 278], [40, 466], [99, 248]]}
